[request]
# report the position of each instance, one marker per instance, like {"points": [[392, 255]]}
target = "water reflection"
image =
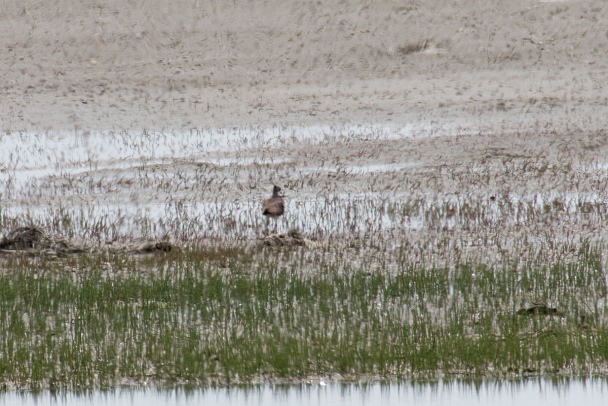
{"points": [[520, 393]]}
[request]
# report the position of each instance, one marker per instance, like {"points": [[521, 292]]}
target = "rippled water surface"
{"points": [[530, 392]]}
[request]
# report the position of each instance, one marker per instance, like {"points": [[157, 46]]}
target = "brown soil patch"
{"points": [[35, 240]]}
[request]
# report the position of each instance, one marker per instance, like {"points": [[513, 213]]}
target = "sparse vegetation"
{"points": [[489, 264], [236, 316]]}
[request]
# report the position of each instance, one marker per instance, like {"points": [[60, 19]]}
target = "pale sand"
{"points": [[158, 65]]}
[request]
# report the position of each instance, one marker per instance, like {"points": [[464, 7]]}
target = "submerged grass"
{"points": [[227, 316]]}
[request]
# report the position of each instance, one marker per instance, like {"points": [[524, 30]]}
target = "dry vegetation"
{"points": [[483, 196]]}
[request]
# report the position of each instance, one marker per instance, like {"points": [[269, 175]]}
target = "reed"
{"points": [[186, 318]]}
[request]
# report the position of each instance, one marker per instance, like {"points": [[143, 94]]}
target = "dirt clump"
{"points": [[32, 238], [162, 246], [293, 238], [35, 240], [539, 309]]}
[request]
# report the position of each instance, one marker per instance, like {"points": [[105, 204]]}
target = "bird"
{"points": [[273, 207]]}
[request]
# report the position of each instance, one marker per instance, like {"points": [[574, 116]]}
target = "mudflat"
{"points": [[430, 99]]}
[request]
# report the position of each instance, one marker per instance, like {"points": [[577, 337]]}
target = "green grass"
{"points": [[231, 316]]}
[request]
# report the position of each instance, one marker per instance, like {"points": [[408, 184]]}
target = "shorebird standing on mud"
{"points": [[273, 206]]}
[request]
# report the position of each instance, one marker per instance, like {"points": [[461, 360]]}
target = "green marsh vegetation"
{"points": [[490, 264], [226, 316]]}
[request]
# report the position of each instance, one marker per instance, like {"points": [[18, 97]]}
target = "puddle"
{"points": [[530, 392], [27, 156], [64, 149], [210, 183], [375, 168], [128, 180]]}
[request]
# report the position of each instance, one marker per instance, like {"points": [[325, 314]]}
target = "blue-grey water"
{"points": [[536, 392]]}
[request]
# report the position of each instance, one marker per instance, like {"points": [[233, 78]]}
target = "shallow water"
{"points": [[125, 178], [535, 392], [349, 185]]}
